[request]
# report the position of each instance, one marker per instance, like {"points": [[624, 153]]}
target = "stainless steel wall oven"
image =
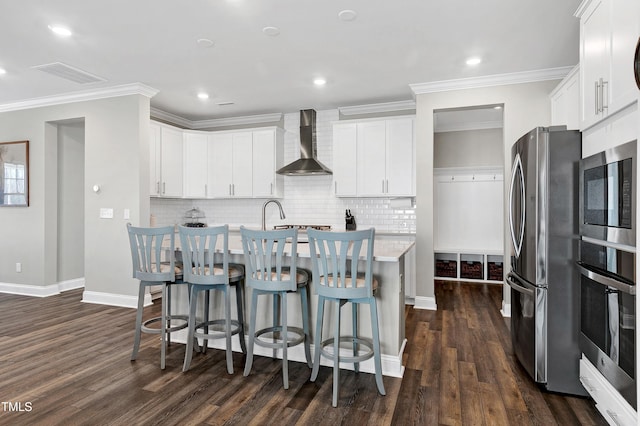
{"points": [[608, 314]]}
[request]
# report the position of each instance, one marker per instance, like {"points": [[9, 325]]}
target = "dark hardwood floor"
{"points": [[67, 362]]}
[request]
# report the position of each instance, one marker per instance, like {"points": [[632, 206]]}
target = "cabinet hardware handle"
{"points": [[387, 186], [597, 97], [602, 96], [271, 184], [233, 186], [158, 187], [230, 190], [614, 416], [383, 186], [164, 187]]}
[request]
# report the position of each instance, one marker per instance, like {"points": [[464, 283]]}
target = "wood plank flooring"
{"points": [[64, 362]]}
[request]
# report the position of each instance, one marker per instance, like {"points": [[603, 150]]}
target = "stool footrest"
{"points": [[291, 331], [214, 334], [359, 341], [155, 330]]}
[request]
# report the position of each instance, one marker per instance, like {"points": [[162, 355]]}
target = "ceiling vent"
{"points": [[69, 73]]}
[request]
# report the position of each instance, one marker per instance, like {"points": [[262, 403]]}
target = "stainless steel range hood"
{"points": [[308, 164]]}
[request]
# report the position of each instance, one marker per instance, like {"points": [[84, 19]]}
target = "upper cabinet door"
{"points": [[171, 141], [345, 138], [371, 162], [625, 28], [242, 184], [594, 48], [400, 180], [220, 169], [265, 179], [154, 159], [195, 165]]}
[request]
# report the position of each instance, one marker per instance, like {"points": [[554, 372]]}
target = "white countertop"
{"points": [[384, 250]]}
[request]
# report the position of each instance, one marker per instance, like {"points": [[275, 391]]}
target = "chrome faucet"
{"points": [[264, 209]]}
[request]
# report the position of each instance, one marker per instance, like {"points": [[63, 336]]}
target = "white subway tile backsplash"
{"points": [[307, 199]]}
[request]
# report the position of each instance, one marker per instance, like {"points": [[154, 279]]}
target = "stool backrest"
{"points": [[342, 263], [148, 245], [264, 257], [199, 247]]}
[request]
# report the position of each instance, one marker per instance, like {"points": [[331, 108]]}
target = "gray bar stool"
{"points": [[203, 274], [267, 274], [338, 276], [151, 269]]}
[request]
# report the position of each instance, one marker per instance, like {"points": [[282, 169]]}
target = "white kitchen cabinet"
{"points": [[165, 150], [565, 101], [374, 158], [608, 35], [268, 156], [231, 164], [154, 159], [195, 165], [344, 159]]}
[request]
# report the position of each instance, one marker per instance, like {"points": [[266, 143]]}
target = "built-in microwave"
{"points": [[607, 185]]}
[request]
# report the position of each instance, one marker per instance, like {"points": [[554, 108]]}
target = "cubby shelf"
{"points": [[465, 265]]}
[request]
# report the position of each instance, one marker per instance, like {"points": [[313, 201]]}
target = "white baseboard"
{"points": [[506, 310], [41, 291], [428, 303], [391, 364], [121, 300]]}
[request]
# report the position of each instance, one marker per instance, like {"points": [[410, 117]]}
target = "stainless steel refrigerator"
{"points": [[545, 286]]}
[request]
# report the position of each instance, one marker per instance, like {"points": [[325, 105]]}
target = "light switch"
{"points": [[106, 213]]}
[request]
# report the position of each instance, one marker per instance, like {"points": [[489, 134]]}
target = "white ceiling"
{"points": [[372, 59]]}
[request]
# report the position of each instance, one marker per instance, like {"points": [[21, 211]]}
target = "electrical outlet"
{"points": [[127, 214], [18, 267], [106, 213]]}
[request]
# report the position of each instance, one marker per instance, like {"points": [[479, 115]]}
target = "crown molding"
{"points": [[236, 121], [215, 122], [476, 125], [378, 108], [575, 70], [80, 96], [491, 80]]}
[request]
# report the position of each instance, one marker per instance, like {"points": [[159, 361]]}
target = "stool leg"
{"points": [[252, 332], [163, 327], [168, 302], [304, 298], [227, 323], [193, 301], [239, 302], [318, 339], [136, 339], [276, 320], [285, 359], [336, 356], [354, 326], [205, 341], [376, 345]]}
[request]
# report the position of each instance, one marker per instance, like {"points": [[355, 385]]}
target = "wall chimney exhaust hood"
{"points": [[307, 164]]}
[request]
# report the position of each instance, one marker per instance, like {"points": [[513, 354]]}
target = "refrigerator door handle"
{"points": [[517, 243], [511, 280]]}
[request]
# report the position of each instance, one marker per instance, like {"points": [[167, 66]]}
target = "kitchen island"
{"points": [[388, 267]]}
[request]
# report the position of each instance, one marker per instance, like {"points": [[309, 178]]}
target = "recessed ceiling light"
{"points": [[60, 31], [347, 15], [319, 81], [497, 107], [203, 95], [271, 31], [205, 42], [474, 61]]}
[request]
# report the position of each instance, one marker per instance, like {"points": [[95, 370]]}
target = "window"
{"points": [[14, 184]]}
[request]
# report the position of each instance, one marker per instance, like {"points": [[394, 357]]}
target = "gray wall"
{"points": [[468, 148], [116, 152], [70, 264], [525, 107]]}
